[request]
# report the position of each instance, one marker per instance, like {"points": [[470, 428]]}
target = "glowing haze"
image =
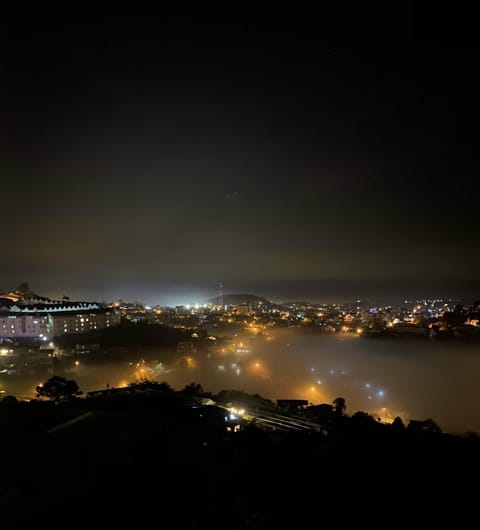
{"points": [[413, 378]]}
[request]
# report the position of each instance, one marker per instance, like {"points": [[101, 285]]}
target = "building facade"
{"points": [[47, 319]]}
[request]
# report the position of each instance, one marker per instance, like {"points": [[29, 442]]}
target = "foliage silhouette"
{"points": [[58, 389], [339, 406]]}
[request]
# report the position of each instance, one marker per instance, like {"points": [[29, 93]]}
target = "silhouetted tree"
{"points": [[147, 384], [196, 389], [472, 436], [363, 424], [58, 389], [193, 388], [339, 406], [398, 424], [9, 401], [362, 416]]}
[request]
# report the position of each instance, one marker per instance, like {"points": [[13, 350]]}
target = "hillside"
{"points": [[122, 452], [236, 299]]}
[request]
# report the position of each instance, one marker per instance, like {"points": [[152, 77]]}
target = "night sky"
{"points": [[326, 157]]}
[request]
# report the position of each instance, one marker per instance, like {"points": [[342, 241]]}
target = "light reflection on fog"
{"points": [[414, 378]]}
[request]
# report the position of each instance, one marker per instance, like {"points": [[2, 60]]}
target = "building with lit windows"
{"points": [[43, 319]]}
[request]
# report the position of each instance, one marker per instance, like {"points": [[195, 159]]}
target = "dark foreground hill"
{"points": [[151, 455]]}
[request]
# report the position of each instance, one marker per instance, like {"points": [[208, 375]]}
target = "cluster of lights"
{"points": [[379, 394], [236, 413]]}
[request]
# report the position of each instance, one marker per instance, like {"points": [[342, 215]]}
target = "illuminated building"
{"points": [[43, 319]]}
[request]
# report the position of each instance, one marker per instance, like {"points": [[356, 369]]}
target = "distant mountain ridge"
{"points": [[236, 299]]}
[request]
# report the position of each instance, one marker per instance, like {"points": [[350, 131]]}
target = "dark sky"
{"points": [[314, 156]]}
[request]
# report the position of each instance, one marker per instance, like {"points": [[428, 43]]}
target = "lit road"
{"points": [[285, 423], [268, 420]]}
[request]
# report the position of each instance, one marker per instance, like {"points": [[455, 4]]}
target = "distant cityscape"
{"points": [[31, 326]]}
